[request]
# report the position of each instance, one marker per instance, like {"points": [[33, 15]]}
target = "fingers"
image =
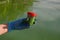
{"points": [[3, 25], [3, 29]]}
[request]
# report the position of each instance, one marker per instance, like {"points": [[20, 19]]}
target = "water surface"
{"points": [[47, 26]]}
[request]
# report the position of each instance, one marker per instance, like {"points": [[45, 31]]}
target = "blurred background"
{"points": [[47, 26]]}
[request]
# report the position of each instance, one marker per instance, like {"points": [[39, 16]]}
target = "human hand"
{"points": [[3, 29]]}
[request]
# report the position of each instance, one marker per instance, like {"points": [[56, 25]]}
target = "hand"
{"points": [[3, 29]]}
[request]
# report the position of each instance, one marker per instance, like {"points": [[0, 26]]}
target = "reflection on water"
{"points": [[47, 26], [8, 8], [48, 18], [48, 12]]}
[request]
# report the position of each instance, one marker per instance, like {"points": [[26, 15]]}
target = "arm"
{"points": [[16, 25]]}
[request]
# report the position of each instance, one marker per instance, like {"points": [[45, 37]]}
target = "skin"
{"points": [[3, 29]]}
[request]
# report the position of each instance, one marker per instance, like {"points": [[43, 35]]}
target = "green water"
{"points": [[12, 9], [47, 26]]}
